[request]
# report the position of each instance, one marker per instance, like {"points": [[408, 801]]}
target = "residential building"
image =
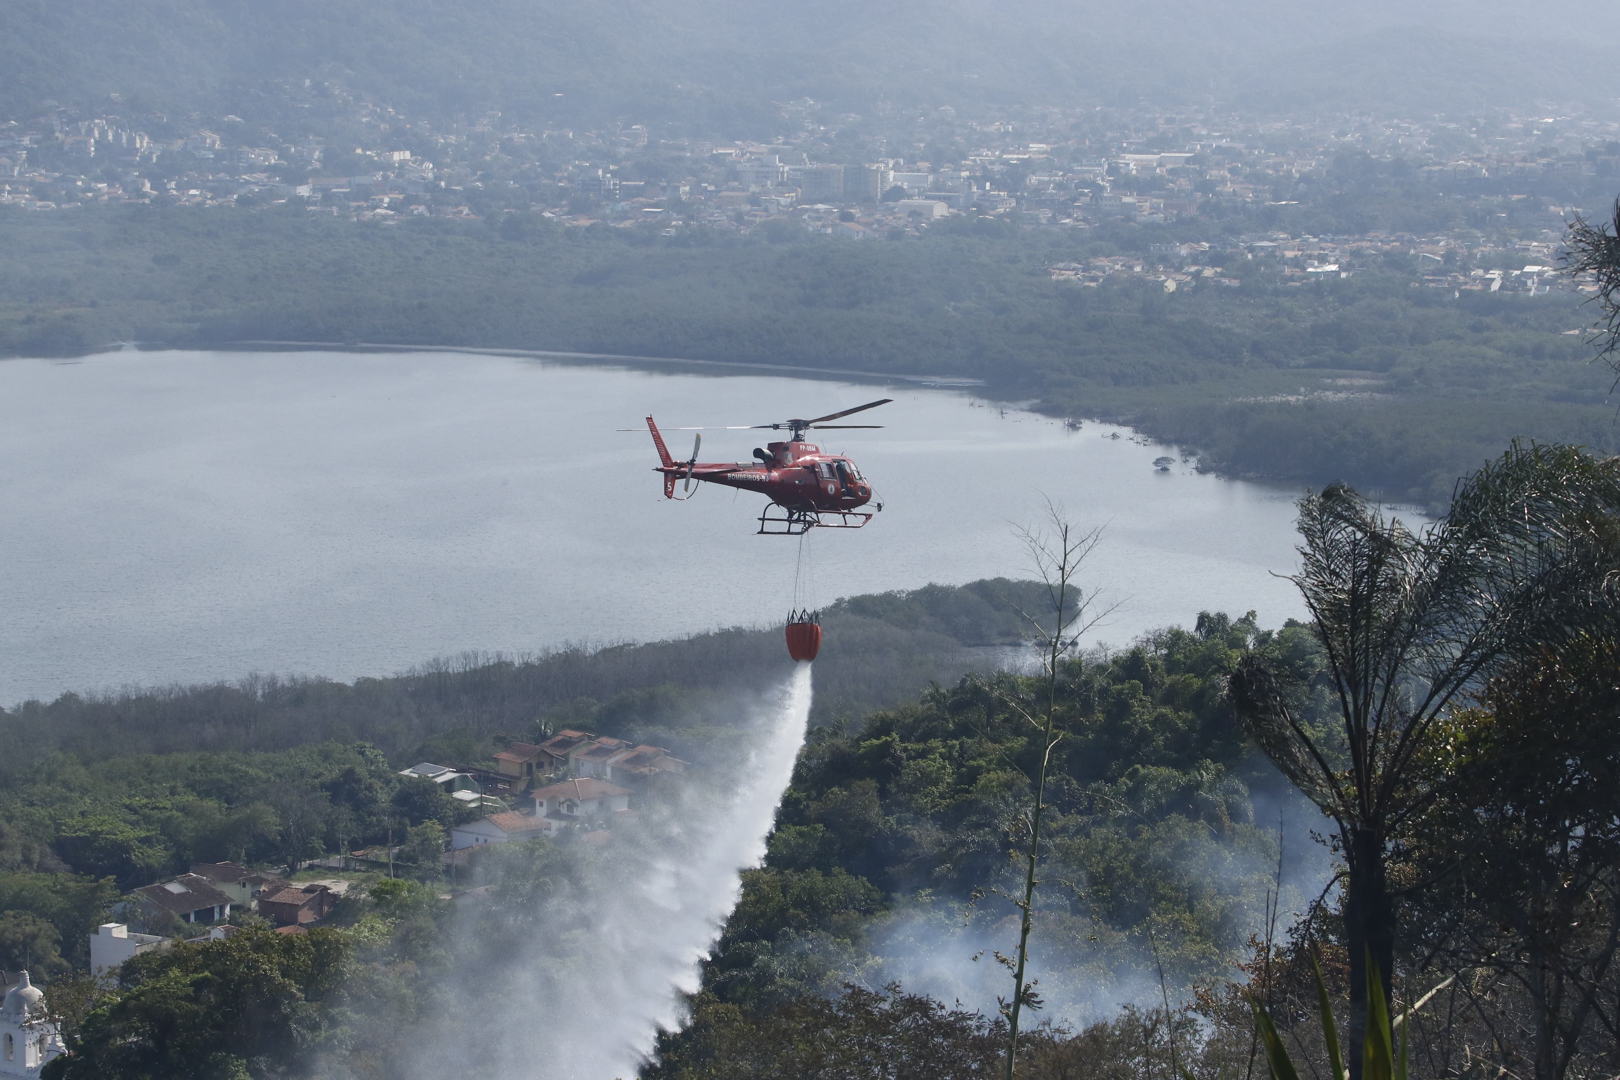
{"points": [[188, 898], [443, 775], [112, 944], [925, 208], [580, 799], [561, 748], [499, 829], [768, 171], [581, 753], [599, 183], [241, 884], [520, 760], [957, 200], [28, 1037], [642, 763], [478, 798], [866, 183], [297, 905], [822, 182], [594, 759]]}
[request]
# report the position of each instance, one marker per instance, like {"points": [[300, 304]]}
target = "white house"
{"points": [[241, 884], [498, 829], [928, 208], [112, 944], [28, 1039], [582, 798], [596, 759]]}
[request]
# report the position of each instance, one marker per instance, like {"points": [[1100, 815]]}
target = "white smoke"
{"points": [[1086, 970], [569, 974]]}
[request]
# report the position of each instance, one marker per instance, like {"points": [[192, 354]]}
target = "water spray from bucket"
{"points": [[597, 966]]}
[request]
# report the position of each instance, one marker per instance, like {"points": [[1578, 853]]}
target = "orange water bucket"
{"points": [[803, 637]]}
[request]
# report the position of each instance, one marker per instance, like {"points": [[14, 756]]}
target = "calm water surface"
{"points": [[177, 516]]}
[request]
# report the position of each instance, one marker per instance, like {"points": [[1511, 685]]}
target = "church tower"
{"points": [[28, 1039]]}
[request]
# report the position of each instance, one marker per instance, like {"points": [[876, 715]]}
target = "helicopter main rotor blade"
{"points": [[843, 427], [787, 424], [849, 412], [732, 427]]}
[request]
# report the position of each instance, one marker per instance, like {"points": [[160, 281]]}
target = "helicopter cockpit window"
{"points": [[825, 470]]}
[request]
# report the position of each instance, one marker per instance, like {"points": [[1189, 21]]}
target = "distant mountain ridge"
{"points": [[723, 63]]}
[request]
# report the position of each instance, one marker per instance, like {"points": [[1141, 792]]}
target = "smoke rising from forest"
{"points": [[1086, 971]]}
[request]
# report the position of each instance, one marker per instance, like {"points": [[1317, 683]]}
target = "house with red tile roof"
{"points": [[594, 759], [498, 829], [297, 905], [240, 883], [642, 763], [584, 798]]}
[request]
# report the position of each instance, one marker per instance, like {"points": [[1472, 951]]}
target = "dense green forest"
{"points": [[1252, 378], [894, 818], [880, 649]]}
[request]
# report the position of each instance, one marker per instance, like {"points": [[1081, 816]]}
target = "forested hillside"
{"points": [[893, 829], [880, 649], [103, 794]]}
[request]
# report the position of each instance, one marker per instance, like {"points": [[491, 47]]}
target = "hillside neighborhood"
{"points": [[573, 782], [1508, 182]]}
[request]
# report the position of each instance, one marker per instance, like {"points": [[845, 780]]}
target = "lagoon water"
{"points": [[189, 516]]}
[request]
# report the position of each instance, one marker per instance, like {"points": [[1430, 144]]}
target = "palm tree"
{"points": [[1594, 251], [1411, 626]]}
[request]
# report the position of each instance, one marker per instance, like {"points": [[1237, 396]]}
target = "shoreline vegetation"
{"points": [[881, 649], [1375, 380]]}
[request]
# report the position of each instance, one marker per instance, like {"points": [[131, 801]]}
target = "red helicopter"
{"points": [[810, 488]]}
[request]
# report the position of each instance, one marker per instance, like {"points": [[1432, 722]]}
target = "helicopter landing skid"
{"points": [[799, 522]]}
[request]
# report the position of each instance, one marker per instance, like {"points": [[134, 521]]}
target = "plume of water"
{"points": [[581, 957]]}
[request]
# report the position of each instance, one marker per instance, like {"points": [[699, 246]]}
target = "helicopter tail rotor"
{"points": [[697, 441]]}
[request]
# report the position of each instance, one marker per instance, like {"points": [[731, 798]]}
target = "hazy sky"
{"points": [[619, 55]]}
